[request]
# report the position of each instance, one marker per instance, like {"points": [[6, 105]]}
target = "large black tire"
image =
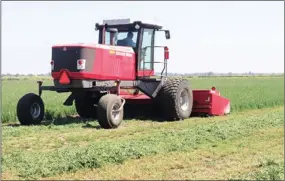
{"points": [[169, 99], [30, 109], [85, 107], [106, 104]]}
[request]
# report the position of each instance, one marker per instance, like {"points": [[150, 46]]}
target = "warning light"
{"points": [[166, 53], [52, 65], [213, 88]]}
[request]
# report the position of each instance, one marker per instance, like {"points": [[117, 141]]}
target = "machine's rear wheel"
{"points": [[30, 109], [85, 107], [176, 99], [109, 115]]}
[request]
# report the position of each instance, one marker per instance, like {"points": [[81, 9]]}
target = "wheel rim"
{"points": [[184, 100], [115, 113], [35, 110]]}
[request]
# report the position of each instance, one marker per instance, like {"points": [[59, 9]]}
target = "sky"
{"points": [[236, 36]]}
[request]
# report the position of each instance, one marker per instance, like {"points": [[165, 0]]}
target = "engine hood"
{"points": [[96, 45]]}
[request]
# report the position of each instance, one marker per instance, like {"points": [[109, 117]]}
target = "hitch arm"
{"points": [[40, 83], [41, 88]]}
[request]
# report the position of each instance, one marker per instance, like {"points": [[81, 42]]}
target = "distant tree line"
{"points": [[198, 74], [229, 74], [20, 75]]}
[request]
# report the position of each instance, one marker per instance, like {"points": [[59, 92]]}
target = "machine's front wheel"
{"points": [[176, 99], [30, 109], [109, 111]]}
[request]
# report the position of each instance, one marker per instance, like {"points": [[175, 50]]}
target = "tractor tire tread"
{"points": [[85, 107], [23, 109], [102, 111], [168, 97]]}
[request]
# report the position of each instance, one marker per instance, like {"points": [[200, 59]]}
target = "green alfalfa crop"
{"points": [[35, 164]]}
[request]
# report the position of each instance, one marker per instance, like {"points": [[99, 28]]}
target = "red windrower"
{"points": [[109, 74]]}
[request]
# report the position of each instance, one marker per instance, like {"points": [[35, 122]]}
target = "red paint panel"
{"points": [[208, 101], [84, 75], [110, 63], [136, 99], [219, 105], [142, 73]]}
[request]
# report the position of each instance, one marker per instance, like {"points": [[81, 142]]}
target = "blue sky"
{"points": [[205, 36]]}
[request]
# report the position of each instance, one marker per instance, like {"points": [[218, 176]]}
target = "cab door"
{"points": [[146, 56]]}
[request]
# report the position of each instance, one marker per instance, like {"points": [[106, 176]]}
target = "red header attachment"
{"points": [[166, 53]]}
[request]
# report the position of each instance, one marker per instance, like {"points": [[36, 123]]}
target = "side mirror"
{"points": [[167, 34], [97, 26]]}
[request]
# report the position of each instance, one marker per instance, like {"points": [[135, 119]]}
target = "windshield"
{"points": [[122, 38]]}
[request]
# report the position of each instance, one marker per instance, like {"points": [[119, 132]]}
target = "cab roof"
{"points": [[122, 25]]}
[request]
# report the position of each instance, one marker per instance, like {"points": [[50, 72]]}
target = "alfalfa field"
{"points": [[247, 144]]}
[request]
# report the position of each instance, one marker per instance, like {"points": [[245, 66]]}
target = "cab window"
{"points": [[147, 50]]}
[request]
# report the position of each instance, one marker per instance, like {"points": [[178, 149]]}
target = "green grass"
{"points": [[244, 92], [228, 159], [35, 164], [70, 147], [270, 169]]}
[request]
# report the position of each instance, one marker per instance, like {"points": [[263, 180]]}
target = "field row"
{"points": [[239, 159], [57, 151], [244, 93]]}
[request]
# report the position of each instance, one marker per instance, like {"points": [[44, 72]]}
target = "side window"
{"points": [[147, 50], [107, 38]]}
